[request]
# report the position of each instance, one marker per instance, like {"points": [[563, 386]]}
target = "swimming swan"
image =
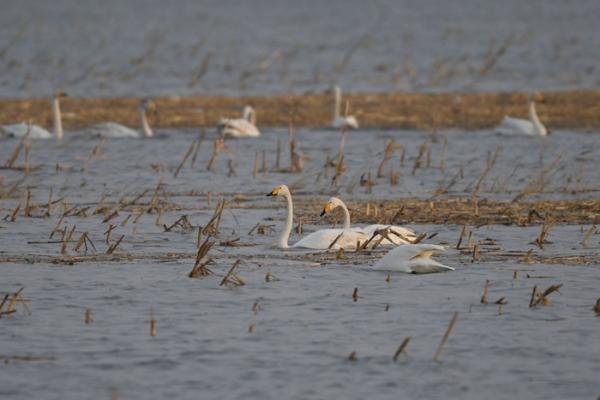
{"points": [[406, 235], [413, 259], [114, 130], [240, 127], [339, 121], [37, 132], [321, 239], [532, 126]]}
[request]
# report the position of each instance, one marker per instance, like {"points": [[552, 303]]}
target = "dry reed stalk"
{"points": [[536, 185], [256, 307], [542, 297], [335, 240], [355, 295], [200, 269], [218, 145], [182, 222], [114, 246], [199, 141], [49, 206], [66, 239], [588, 235], [152, 324], [251, 328], [13, 215], [278, 155], [125, 221], [445, 337], [27, 149], [108, 232], [596, 307], [541, 239], [534, 294], [501, 301], [352, 356], [463, 232], [231, 279], [489, 165], [340, 254], [418, 160], [87, 319], [263, 167], [365, 180], [484, 297], [388, 153], [96, 151], [256, 163], [443, 156], [387, 307], [185, 157], [515, 274], [110, 216], [212, 228], [15, 154], [475, 254], [493, 55], [401, 348], [231, 168], [56, 227]]}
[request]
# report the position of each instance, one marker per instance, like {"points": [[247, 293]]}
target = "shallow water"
{"points": [[126, 48], [308, 323]]}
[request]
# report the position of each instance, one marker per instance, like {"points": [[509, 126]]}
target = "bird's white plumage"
{"points": [[519, 126], [113, 130], [20, 130], [338, 120], [412, 258], [240, 127]]}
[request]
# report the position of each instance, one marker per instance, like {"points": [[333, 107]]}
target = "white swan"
{"points": [[338, 121], [413, 259], [532, 126], [320, 239], [37, 132], [114, 130], [406, 235], [240, 127]]}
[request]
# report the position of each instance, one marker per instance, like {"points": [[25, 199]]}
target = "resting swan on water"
{"points": [[413, 259], [240, 127], [115, 130], [321, 239], [20, 130], [339, 121], [406, 235], [532, 126]]}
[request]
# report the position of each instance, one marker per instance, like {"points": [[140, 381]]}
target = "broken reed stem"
{"points": [[231, 278], [114, 246], [438, 351], [200, 268], [401, 348], [418, 160], [588, 235], [185, 157], [484, 297], [152, 324]]}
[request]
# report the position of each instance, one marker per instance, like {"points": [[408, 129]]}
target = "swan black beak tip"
{"points": [[323, 213]]}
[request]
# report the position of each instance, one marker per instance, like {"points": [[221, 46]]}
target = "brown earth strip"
{"points": [[565, 109]]}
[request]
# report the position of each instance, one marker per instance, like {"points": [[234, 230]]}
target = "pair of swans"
{"points": [[240, 127], [340, 121], [532, 126], [109, 129], [410, 258]]}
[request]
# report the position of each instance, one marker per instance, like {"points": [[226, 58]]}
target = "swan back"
{"points": [[413, 258]]}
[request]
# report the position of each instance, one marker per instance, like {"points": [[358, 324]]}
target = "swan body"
{"points": [[407, 235], [531, 127], [319, 240], [37, 132], [115, 130], [340, 121], [20, 130], [413, 259], [240, 127]]}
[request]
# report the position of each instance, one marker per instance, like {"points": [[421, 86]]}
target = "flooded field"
{"points": [[124, 319], [145, 48]]}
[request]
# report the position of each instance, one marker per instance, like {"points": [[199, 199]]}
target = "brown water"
{"points": [[126, 48], [308, 323]]}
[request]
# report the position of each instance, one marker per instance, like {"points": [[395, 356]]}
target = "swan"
{"points": [[240, 127], [413, 259], [532, 126], [338, 121], [114, 130], [37, 132], [406, 235], [321, 239]]}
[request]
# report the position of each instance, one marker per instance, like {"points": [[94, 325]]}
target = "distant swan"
{"points": [[339, 121], [37, 132], [114, 130], [532, 126], [320, 239], [413, 259], [240, 127], [407, 235]]}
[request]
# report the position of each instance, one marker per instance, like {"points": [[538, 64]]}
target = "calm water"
{"points": [[307, 324], [125, 48]]}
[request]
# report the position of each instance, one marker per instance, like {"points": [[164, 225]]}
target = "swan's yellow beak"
{"points": [[327, 208], [274, 192]]}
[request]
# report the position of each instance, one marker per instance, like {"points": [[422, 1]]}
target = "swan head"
{"points": [[59, 94], [147, 105], [281, 190], [331, 205], [249, 115]]}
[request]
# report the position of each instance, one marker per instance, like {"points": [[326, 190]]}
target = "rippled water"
{"points": [[126, 48], [308, 323]]}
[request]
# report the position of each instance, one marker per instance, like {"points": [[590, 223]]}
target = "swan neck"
{"points": [[346, 217], [535, 120], [56, 116], [336, 102], [145, 125], [287, 230]]}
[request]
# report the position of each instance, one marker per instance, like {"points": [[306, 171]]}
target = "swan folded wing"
{"points": [[516, 125], [349, 122], [237, 128], [113, 130], [322, 239], [413, 258], [20, 130]]}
